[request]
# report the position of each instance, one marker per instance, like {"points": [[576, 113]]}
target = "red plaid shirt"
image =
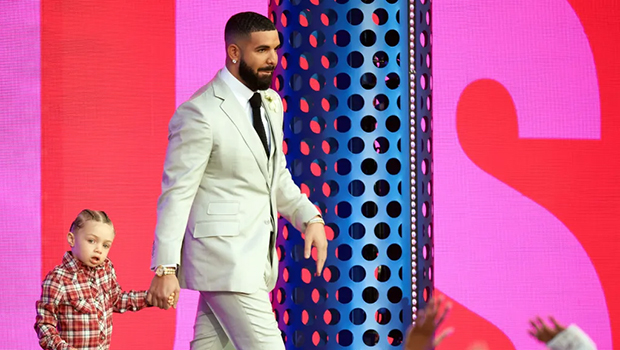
{"points": [[77, 301]]}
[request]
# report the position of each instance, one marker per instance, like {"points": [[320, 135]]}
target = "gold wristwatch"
{"points": [[165, 270]]}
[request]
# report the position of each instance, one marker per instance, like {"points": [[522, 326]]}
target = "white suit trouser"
{"points": [[229, 320]]}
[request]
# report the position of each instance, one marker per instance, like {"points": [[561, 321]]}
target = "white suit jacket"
{"points": [[221, 194]]}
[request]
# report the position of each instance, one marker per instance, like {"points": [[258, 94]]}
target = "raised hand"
{"points": [[542, 332], [421, 335]]}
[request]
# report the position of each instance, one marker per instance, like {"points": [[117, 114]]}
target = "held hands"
{"points": [[315, 236], [164, 292], [542, 332]]}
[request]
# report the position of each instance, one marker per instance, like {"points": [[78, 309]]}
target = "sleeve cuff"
{"points": [[572, 338]]}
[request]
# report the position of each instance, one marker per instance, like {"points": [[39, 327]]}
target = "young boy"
{"points": [[79, 296]]}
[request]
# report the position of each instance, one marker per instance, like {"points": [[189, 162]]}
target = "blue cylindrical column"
{"points": [[344, 77]]}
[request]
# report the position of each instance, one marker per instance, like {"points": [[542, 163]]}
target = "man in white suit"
{"points": [[224, 181]]}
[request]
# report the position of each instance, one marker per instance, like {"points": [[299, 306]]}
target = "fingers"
{"points": [[445, 333], [162, 288], [557, 325], [308, 245], [149, 298], [321, 258], [444, 314]]}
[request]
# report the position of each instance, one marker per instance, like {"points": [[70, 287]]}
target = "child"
{"points": [[79, 296]]}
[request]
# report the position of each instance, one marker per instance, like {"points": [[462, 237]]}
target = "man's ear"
{"points": [[71, 239], [234, 52]]}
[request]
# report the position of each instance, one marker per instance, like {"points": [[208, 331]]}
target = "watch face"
{"points": [[159, 271]]}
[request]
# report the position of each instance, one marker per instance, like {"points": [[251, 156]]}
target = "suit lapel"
{"points": [[273, 120], [237, 115]]}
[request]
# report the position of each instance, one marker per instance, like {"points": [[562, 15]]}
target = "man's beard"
{"points": [[253, 81]]}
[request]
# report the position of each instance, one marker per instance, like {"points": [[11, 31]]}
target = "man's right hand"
{"points": [[161, 288]]}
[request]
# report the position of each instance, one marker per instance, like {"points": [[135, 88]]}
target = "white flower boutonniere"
{"points": [[271, 104]]}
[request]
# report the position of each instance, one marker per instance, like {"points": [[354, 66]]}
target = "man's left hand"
{"points": [[315, 236]]}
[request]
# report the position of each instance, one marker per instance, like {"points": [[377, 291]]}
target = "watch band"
{"points": [[315, 220]]}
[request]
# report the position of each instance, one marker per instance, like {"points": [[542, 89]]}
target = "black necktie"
{"points": [[257, 121]]}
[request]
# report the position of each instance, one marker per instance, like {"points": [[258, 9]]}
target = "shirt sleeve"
{"points": [[124, 301], [572, 338], [47, 314]]}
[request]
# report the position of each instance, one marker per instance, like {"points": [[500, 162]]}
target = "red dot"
{"points": [[327, 316], [313, 41], [375, 18], [314, 84], [285, 147], [284, 62], [284, 105], [303, 21], [285, 232], [325, 104], [304, 148], [316, 338], [303, 105], [329, 232], [279, 250], [284, 20], [285, 275], [324, 19], [315, 126], [327, 274], [305, 189], [303, 63], [315, 169], [326, 147], [305, 275], [326, 189], [325, 62], [315, 295], [285, 317], [304, 317]]}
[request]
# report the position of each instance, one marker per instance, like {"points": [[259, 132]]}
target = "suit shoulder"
{"points": [[205, 91]]}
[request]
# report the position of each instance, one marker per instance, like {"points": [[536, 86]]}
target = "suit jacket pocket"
{"points": [[215, 228]]}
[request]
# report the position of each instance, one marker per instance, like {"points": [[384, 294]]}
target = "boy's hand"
{"points": [[161, 289], [172, 300]]}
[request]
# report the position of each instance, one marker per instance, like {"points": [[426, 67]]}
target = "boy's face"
{"points": [[91, 243]]}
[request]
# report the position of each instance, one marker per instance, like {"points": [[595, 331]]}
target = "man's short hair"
{"points": [[245, 23]]}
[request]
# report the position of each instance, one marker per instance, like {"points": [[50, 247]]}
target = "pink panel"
{"points": [[497, 252], [200, 54], [20, 156], [538, 51]]}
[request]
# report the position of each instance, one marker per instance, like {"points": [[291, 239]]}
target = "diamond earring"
{"points": [[234, 61]]}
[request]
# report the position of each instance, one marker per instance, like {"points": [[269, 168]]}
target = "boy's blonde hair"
{"points": [[90, 215]]}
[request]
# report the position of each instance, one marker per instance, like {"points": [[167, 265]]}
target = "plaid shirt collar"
{"points": [[74, 265]]}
